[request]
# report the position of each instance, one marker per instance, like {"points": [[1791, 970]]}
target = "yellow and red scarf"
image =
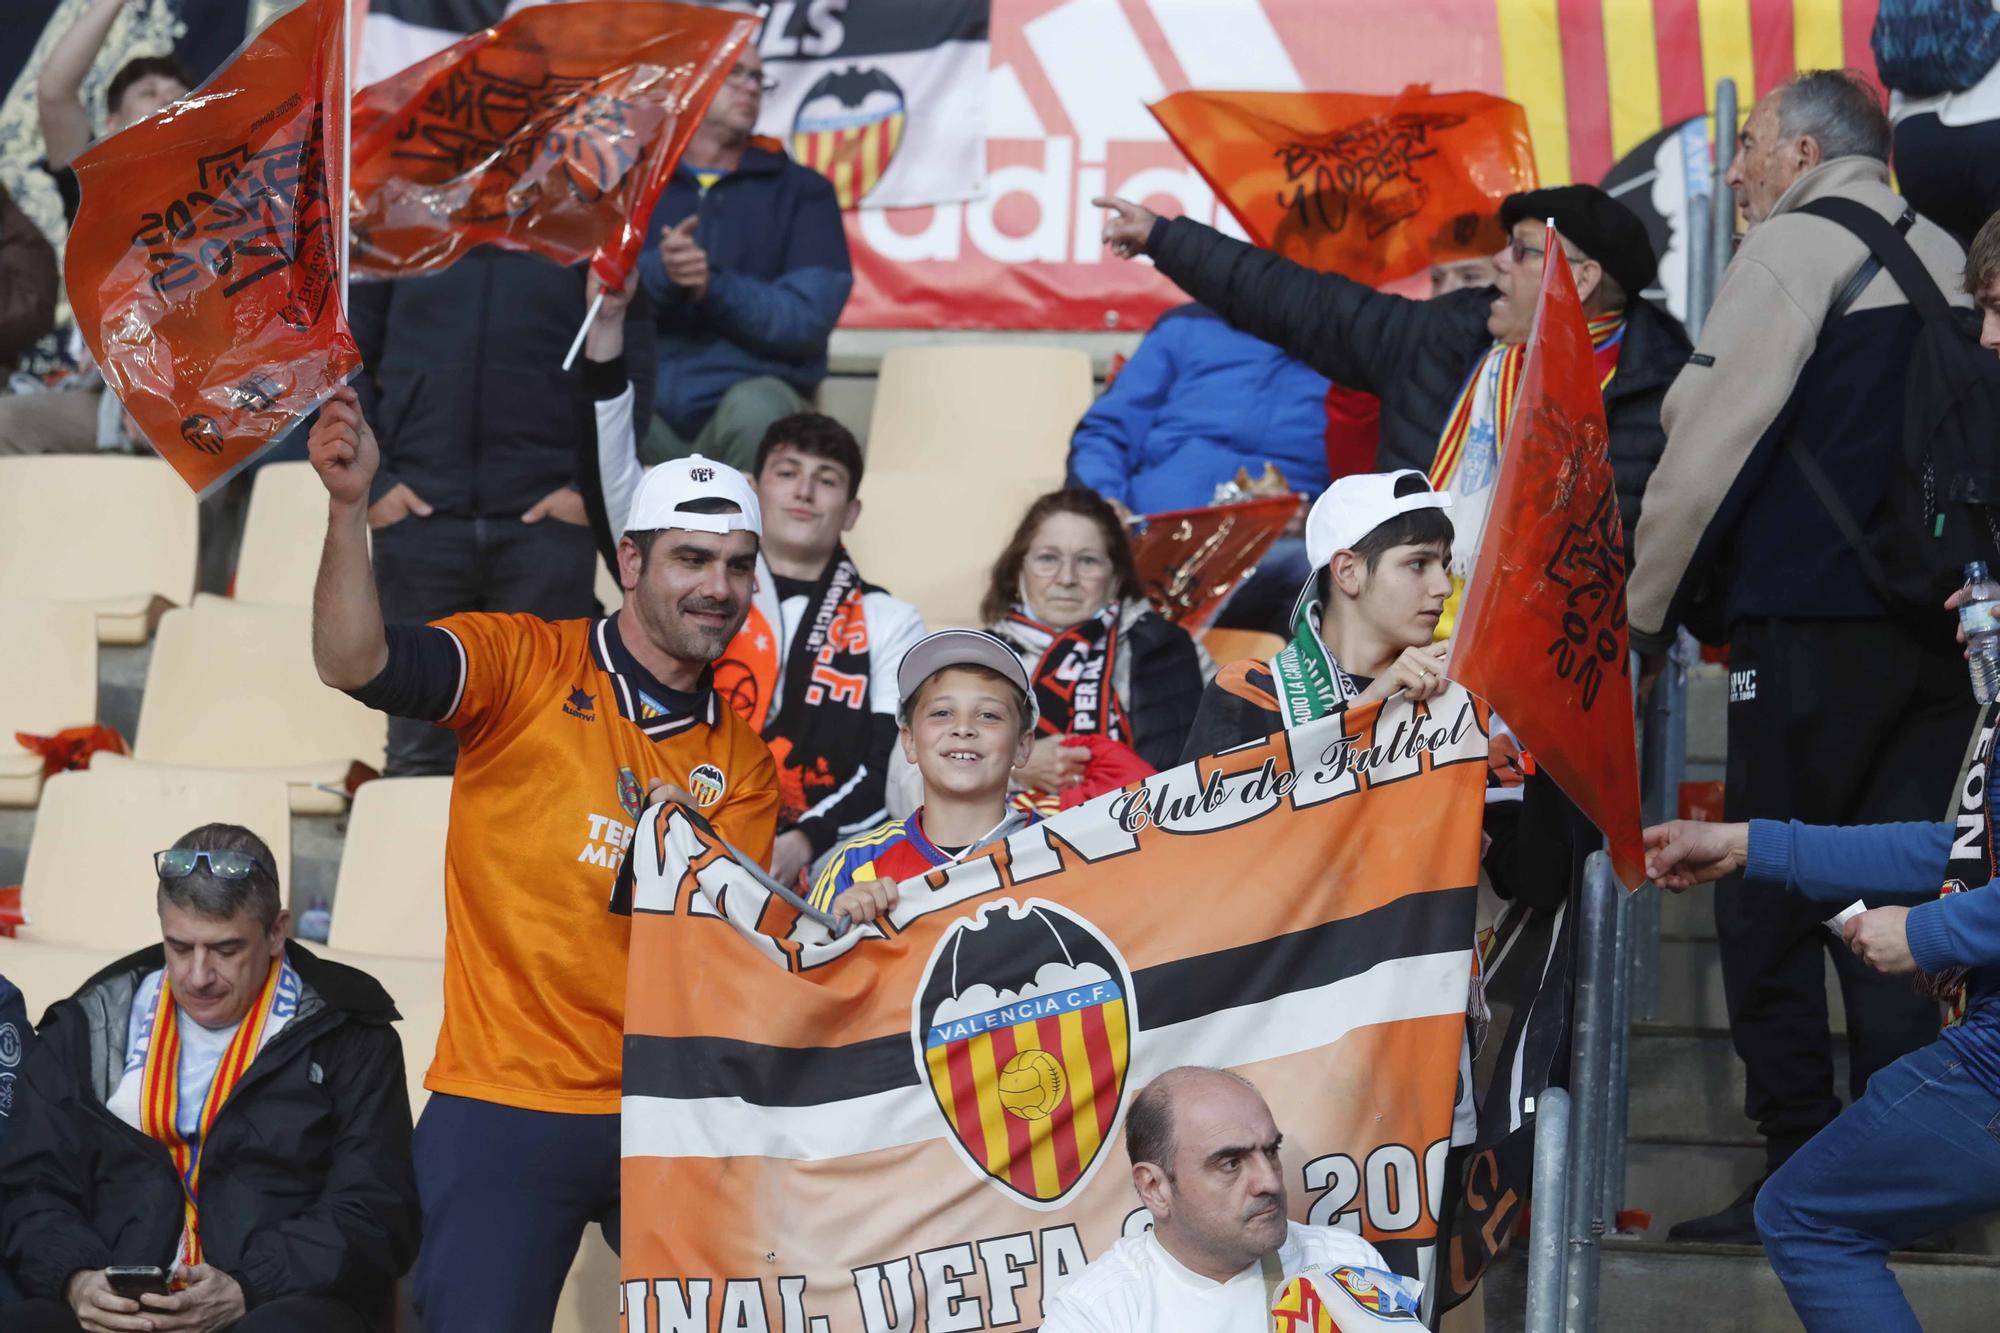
{"points": [[159, 1104], [1607, 333]]}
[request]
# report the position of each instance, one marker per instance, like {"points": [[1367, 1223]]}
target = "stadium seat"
{"points": [[46, 973], [389, 898], [115, 533], [947, 409], [232, 685], [89, 880], [281, 536], [48, 681], [931, 537]]}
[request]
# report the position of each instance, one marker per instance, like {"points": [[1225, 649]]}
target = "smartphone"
{"points": [[135, 1280]]}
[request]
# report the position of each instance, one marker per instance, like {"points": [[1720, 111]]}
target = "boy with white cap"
{"points": [[968, 719], [563, 726], [1380, 546]]}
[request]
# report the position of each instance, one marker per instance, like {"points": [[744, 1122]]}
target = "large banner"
{"points": [[886, 99], [919, 1125]]}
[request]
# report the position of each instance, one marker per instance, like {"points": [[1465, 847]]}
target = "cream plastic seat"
{"points": [[281, 536], [89, 880], [116, 534], [233, 685], [993, 408], [46, 973], [48, 681], [389, 898], [931, 538]]}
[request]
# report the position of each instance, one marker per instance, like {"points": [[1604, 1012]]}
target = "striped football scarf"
{"points": [[159, 1106]]}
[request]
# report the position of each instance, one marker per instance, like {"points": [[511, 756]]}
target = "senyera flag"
{"points": [[1542, 637], [204, 264], [1370, 187], [554, 131], [919, 1124]]}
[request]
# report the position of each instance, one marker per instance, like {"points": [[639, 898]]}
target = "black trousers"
{"points": [[293, 1314], [1950, 174], [426, 568], [1830, 722]]}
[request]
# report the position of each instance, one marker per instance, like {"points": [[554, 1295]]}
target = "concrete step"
{"points": [[1688, 1083], [1689, 915], [1678, 1177], [1646, 1287], [1691, 987]]}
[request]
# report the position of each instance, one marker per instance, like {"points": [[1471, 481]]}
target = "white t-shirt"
{"points": [[201, 1050], [1137, 1287]]}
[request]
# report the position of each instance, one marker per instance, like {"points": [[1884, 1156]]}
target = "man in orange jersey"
{"points": [[563, 727]]}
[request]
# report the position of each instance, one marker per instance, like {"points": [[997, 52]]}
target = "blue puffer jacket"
{"points": [[1197, 401], [778, 278]]}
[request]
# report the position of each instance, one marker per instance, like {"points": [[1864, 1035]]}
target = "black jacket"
{"points": [[1413, 355], [1165, 688], [463, 380], [307, 1185]]}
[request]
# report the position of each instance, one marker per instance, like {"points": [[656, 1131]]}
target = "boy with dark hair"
{"points": [[813, 669], [1380, 547], [968, 718]]}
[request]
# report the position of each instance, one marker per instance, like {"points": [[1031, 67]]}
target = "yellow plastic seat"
{"points": [[48, 681], [931, 538], [282, 529], [389, 899], [113, 533], [990, 408]]}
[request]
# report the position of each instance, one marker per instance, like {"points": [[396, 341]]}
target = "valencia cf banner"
{"points": [[886, 99], [554, 131], [918, 1125], [205, 267]]}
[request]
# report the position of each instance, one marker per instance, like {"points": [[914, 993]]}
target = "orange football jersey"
{"points": [[557, 746]]}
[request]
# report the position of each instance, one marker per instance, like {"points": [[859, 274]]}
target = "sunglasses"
{"points": [[179, 863]]}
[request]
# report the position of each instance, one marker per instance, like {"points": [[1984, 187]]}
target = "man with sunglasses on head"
{"points": [[564, 727], [747, 273], [222, 1107], [1447, 369]]}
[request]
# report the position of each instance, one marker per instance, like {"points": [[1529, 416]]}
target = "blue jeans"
{"points": [[1918, 1152]]}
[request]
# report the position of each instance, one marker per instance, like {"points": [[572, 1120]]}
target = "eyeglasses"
{"points": [[179, 863], [743, 74], [1087, 564], [1518, 251]]}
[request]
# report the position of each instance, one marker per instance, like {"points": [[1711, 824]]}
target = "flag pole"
{"points": [[589, 318], [346, 136]]}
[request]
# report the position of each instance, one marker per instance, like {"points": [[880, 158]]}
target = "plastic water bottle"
{"points": [[317, 920], [1979, 617]]}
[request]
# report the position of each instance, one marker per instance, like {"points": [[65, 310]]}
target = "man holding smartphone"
{"points": [[213, 1133]]}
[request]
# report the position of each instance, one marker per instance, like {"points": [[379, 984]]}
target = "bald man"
{"points": [[1204, 1152]]}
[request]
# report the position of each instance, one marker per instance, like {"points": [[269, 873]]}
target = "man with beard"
{"points": [[1205, 1163], [563, 727]]}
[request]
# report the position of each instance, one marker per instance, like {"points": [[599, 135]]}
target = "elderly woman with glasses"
{"points": [[1108, 670]]}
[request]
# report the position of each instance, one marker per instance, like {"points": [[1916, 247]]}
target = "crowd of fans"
{"points": [[753, 673]]}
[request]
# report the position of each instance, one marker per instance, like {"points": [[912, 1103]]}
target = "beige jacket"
{"points": [[1760, 333]]}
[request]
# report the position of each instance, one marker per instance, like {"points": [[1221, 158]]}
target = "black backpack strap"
{"points": [[1886, 245], [1829, 499]]}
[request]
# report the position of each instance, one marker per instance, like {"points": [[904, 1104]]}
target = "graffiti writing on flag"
{"points": [[1366, 173]]}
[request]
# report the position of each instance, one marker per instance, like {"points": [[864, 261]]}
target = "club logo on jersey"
{"points": [[630, 794], [706, 784], [580, 705], [1023, 1029], [1368, 1289], [849, 125]]}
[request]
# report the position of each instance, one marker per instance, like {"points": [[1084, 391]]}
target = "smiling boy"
{"points": [[968, 718]]}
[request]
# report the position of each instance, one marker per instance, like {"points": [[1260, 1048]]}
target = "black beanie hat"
{"points": [[1594, 223]]}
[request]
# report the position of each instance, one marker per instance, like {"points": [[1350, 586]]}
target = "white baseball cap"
{"points": [[961, 647], [1355, 506], [666, 491]]}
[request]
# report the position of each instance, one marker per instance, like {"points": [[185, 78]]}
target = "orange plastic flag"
{"points": [[554, 131], [1370, 187], [204, 265], [1542, 637]]}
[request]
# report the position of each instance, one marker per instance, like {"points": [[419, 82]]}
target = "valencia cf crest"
{"points": [[848, 127], [629, 792], [706, 784], [1023, 1030]]}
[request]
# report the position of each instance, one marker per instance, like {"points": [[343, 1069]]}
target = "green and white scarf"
{"points": [[1308, 683]]}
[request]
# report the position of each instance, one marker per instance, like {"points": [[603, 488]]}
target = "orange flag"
{"points": [[554, 131], [204, 265], [1542, 636], [1370, 187]]}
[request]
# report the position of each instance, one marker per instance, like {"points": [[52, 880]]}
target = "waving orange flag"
{"points": [[1369, 187], [554, 131], [1542, 637], [204, 264]]}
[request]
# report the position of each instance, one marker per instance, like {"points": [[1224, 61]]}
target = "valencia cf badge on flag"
{"points": [[1023, 1029]]}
